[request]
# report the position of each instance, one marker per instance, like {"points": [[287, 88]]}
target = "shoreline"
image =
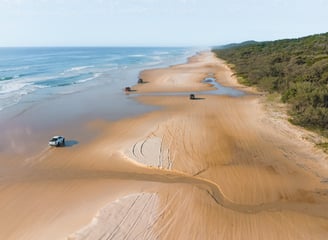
{"points": [[146, 174], [65, 111]]}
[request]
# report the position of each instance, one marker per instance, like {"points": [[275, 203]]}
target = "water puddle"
{"points": [[220, 90]]}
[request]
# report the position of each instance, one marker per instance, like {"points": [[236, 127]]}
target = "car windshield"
{"points": [[53, 139]]}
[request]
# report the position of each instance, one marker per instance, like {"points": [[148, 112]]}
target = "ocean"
{"points": [[62, 70], [61, 91]]}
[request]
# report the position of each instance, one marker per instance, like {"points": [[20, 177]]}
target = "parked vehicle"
{"points": [[57, 141]]}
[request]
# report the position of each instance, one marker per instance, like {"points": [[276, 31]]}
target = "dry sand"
{"points": [[218, 167]]}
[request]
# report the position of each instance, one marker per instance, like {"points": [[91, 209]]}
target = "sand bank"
{"points": [[218, 167]]}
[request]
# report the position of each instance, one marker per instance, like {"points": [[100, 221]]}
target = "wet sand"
{"points": [[218, 167]]}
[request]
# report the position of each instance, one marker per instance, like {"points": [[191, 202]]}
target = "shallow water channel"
{"points": [[220, 90]]}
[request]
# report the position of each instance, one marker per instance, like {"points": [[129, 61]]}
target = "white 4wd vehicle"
{"points": [[57, 141]]}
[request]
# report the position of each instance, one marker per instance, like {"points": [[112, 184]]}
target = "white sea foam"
{"points": [[56, 69], [14, 68], [96, 75], [79, 68], [21, 87], [11, 86], [137, 55], [11, 92]]}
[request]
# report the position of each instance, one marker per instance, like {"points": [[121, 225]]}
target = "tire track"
{"points": [[173, 177], [115, 231]]}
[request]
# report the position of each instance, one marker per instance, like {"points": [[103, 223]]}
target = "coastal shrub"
{"points": [[295, 68]]}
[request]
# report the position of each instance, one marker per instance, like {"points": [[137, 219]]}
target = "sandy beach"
{"points": [[217, 167]]}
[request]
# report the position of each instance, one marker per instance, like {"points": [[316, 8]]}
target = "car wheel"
{"points": [[64, 142]]}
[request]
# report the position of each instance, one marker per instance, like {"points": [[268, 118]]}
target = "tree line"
{"points": [[295, 68]]}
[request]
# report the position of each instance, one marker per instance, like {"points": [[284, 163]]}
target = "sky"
{"points": [[157, 22]]}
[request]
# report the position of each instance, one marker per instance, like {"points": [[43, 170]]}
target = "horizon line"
{"points": [[105, 46]]}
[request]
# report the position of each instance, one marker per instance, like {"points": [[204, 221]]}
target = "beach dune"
{"points": [[218, 167]]}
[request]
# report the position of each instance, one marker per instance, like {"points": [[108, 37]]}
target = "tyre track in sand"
{"points": [[164, 174], [174, 177]]}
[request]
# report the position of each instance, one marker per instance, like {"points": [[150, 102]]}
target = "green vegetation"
{"points": [[323, 146], [295, 68]]}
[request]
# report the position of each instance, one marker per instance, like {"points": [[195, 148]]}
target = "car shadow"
{"points": [[198, 98], [70, 143]]}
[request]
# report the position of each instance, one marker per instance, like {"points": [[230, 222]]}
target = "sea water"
{"points": [[29, 71], [59, 91]]}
